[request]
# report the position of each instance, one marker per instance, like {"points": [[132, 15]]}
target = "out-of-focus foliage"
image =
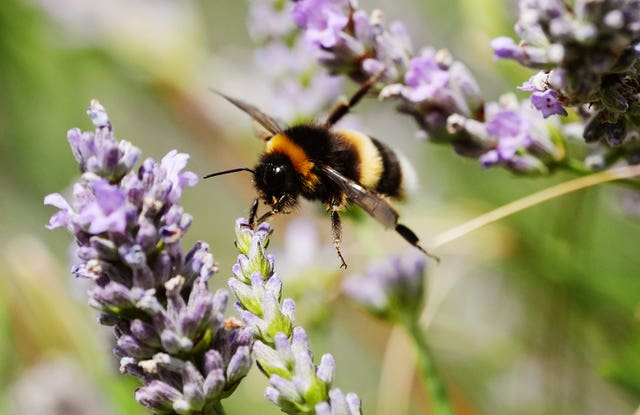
{"points": [[535, 315]]}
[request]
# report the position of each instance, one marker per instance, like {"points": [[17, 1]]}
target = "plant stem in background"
{"points": [[440, 402], [393, 289]]}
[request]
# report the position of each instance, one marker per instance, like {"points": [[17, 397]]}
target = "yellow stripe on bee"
{"points": [[371, 166], [281, 143]]}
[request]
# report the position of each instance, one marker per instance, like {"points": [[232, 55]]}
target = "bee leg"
{"points": [[411, 237], [276, 208], [343, 108], [336, 230], [253, 211]]}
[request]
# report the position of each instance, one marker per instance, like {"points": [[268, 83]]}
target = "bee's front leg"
{"points": [[276, 208], [253, 211]]}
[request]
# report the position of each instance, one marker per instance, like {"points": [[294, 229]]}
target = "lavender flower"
{"points": [[323, 20], [128, 226], [345, 40], [300, 88], [547, 103], [436, 87], [514, 136], [296, 384], [431, 85], [392, 288], [269, 20], [588, 52]]}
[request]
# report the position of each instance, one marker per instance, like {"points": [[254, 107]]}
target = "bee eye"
{"points": [[274, 175], [277, 174]]}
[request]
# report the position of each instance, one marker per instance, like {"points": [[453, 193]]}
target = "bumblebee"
{"points": [[335, 167]]}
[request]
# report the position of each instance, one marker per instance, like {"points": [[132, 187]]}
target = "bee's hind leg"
{"points": [[343, 108], [336, 230]]}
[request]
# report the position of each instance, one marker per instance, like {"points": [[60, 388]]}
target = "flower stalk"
{"points": [[436, 388], [393, 289]]}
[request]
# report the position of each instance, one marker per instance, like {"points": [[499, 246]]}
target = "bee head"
{"points": [[275, 177]]}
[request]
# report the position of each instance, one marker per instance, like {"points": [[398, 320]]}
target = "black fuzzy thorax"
{"points": [[325, 148]]}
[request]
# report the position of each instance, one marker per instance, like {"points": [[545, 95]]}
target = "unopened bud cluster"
{"points": [[296, 384]]}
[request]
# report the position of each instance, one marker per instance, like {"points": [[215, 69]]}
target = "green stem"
{"points": [[218, 409], [575, 166], [578, 167], [441, 405]]}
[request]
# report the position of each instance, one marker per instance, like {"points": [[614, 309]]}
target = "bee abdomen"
{"points": [[390, 182], [380, 168]]}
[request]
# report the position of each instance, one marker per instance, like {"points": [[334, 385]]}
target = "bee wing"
{"points": [[269, 123], [369, 201]]}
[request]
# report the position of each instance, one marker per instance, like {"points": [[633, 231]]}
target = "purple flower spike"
{"points": [[513, 136], [390, 289], [170, 329], [99, 152]]}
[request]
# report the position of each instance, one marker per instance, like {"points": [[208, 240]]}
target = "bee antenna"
{"points": [[220, 173]]}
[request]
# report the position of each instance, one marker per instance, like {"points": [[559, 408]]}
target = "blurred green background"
{"points": [[538, 314]]}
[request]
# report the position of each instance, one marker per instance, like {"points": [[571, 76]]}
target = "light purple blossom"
{"points": [[172, 165], [505, 48], [349, 41], [547, 103], [266, 22], [538, 82], [512, 134], [390, 288], [425, 79], [108, 212], [515, 136], [323, 20], [63, 217], [431, 85], [300, 88]]}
